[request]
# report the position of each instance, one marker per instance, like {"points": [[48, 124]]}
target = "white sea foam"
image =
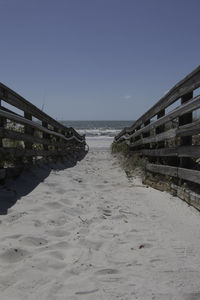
{"points": [[97, 132], [100, 138], [98, 128]]}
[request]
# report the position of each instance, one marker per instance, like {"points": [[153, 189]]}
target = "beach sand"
{"points": [[86, 231]]}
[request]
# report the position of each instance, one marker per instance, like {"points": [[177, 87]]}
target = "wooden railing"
{"points": [[31, 134], [170, 137]]}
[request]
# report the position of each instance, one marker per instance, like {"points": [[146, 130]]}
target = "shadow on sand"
{"points": [[12, 190]]}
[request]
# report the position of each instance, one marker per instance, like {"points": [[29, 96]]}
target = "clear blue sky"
{"points": [[97, 59]]}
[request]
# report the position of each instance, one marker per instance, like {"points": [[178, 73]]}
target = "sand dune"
{"points": [[86, 231]]}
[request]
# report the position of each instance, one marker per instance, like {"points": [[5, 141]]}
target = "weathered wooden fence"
{"points": [[168, 134], [31, 134]]}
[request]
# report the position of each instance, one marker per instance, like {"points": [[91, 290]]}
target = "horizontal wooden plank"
{"points": [[18, 101], [190, 175], [11, 97], [162, 169], [186, 174], [186, 85], [189, 129], [157, 138], [182, 151], [158, 152], [10, 111], [185, 130], [20, 152], [24, 121], [183, 109], [19, 136]]}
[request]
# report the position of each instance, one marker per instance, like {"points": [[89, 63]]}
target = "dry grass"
{"points": [[130, 162]]}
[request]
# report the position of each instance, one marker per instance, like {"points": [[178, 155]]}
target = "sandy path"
{"points": [[88, 232]]}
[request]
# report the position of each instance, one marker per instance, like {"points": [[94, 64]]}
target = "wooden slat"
{"points": [[185, 119], [185, 108], [29, 131], [188, 84], [157, 138], [165, 170], [18, 101], [182, 151], [182, 157], [186, 174], [33, 124], [10, 111], [158, 152], [189, 129], [19, 136], [45, 135], [190, 175], [17, 152], [57, 141], [185, 130]]}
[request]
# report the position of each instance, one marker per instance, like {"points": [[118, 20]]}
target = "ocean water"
{"points": [[98, 128], [99, 134]]}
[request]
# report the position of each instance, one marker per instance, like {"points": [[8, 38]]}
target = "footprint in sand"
{"points": [[33, 241], [119, 217], [60, 191], [145, 245], [56, 254], [107, 272], [54, 205], [66, 201], [107, 212], [100, 186], [37, 223], [48, 193], [155, 260], [57, 265], [15, 216], [60, 221], [86, 292], [14, 237], [51, 184], [127, 212], [38, 209], [95, 245], [60, 245], [58, 233], [13, 255], [79, 180]]}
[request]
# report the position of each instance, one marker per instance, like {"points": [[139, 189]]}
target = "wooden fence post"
{"points": [[65, 142], [171, 149], [186, 162], [28, 149], [146, 134], [1, 126], [137, 137], [30, 131], [45, 135], [57, 140], [160, 129]]}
